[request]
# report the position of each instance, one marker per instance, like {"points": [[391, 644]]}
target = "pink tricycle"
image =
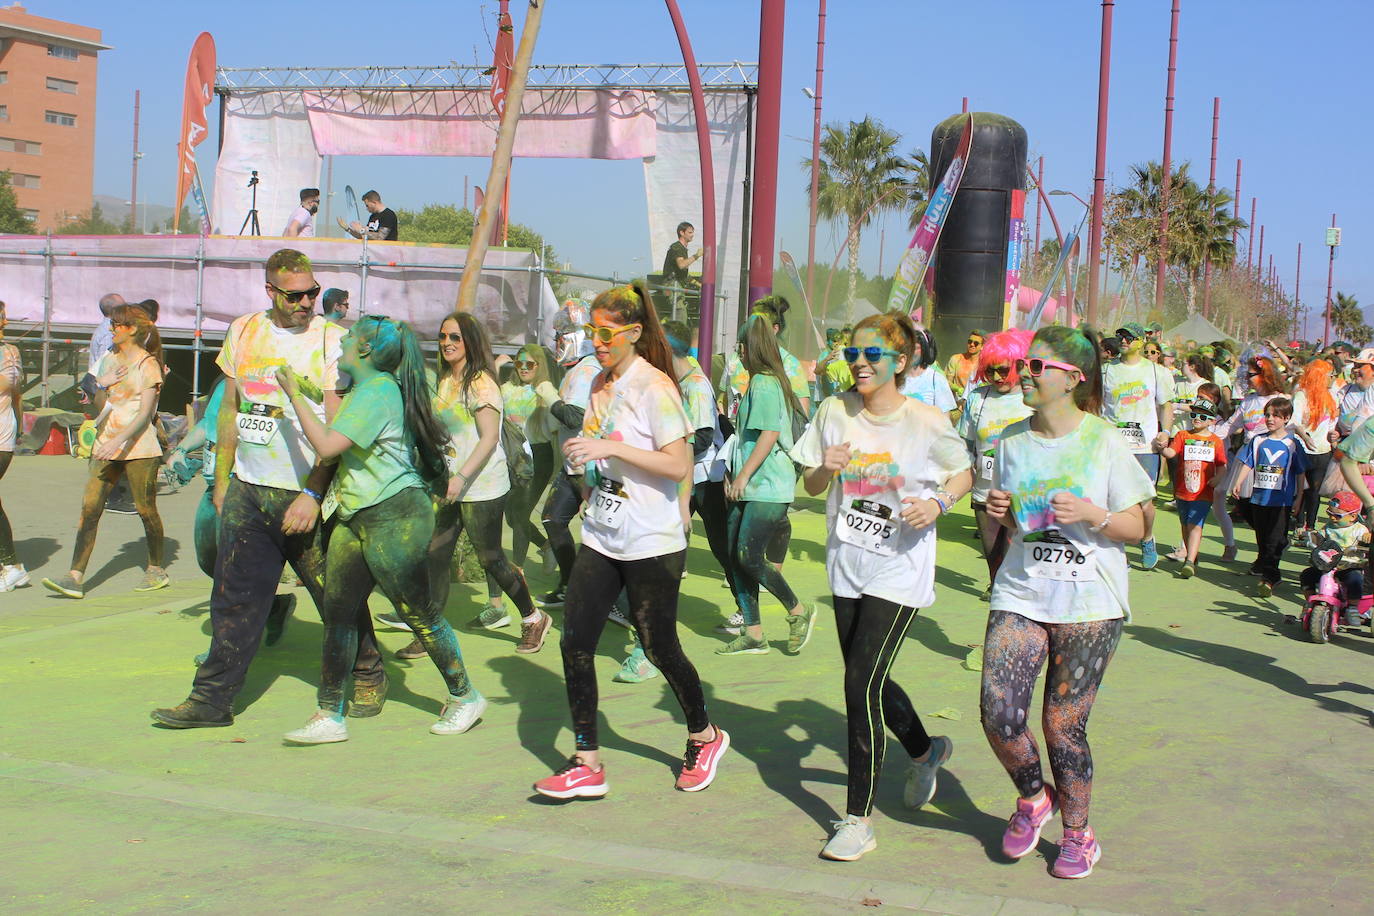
{"points": [[1329, 606]]}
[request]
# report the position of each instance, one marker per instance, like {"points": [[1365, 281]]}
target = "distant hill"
{"points": [[116, 209]]}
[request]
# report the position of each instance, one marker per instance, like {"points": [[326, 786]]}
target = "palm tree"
{"points": [[860, 176], [918, 193], [1348, 320]]}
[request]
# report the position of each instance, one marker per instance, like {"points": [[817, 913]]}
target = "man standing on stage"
{"points": [[268, 489], [677, 260], [381, 226], [302, 221]]}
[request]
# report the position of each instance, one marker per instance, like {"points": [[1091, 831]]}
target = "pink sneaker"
{"points": [[576, 780], [1023, 830], [1078, 853], [699, 763]]}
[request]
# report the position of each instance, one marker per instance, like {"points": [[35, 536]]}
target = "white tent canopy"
{"points": [[1195, 328]]}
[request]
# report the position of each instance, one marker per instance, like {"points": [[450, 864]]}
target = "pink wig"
{"points": [[1003, 349]]}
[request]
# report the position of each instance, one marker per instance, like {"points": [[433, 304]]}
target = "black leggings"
{"points": [[1013, 650], [559, 510], [482, 521], [651, 585], [708, 502], [8, 555], [383, 546], [519, 501], [871, 632], [1311, 497]]}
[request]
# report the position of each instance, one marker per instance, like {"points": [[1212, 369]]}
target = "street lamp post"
{"points": [[1333, 241], [815, 157], [1211, 211], [1104, 77], [1165, 177]]}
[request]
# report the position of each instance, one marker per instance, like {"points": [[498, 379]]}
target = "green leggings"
{"points": [[387, 546]]}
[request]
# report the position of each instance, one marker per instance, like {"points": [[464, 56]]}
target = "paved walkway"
{"points": [[1232, 759]]}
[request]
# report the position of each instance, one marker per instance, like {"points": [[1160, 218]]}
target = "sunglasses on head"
{"points": [[294, 296], [1037, 366], [607, 334], [871, 354]]}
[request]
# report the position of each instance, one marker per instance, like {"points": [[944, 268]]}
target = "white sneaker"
{"points": [[459, 715], [734, 626], [321, 729], [12, 577], [618, 617]]}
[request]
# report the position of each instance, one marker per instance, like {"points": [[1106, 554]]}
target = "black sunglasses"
{"points": [[294, 296], [999, 371]]}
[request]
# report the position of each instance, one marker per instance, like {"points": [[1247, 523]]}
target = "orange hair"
{"points": [[1315, 383]]}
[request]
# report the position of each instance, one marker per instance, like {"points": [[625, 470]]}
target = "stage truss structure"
{"points": [[736, 75]]}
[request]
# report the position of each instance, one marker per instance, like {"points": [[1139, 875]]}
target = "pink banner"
{"points": [[558, 124]]}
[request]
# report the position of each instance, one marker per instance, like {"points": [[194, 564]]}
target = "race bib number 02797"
{"points": [[606, 505]]}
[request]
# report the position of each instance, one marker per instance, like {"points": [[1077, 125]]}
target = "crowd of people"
{"points": [[337, 452]]}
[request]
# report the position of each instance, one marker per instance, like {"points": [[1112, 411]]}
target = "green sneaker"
{"points": [[491, 618], [637, 668], [744, 644], [799, 629], [153, 579]]}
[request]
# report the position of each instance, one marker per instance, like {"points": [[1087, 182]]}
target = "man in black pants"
{"points": [[268, 490]]}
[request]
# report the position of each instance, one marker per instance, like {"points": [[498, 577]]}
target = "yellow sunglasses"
{"points": [[606, 335]]}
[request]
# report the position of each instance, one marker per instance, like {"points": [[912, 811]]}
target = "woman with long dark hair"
{"points": [[469, 405], [635, 458], [762, 485], [892, 466], [126, 446], [1068, 487], [390, 451]]}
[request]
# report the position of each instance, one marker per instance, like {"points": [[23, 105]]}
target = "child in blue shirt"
{"points": [[1275, 462]]}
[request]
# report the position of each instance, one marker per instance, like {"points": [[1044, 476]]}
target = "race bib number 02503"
{"points": [[258, 425], [868, 525], [1050, 555]]}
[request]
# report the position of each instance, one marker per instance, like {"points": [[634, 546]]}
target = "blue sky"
{"points": [[1292, 79]]}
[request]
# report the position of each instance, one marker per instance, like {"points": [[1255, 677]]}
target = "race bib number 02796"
{"points": [[868, 525], [1050, 555]]}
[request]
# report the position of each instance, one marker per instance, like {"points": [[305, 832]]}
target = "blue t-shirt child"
{"points": [[1276, 463]]}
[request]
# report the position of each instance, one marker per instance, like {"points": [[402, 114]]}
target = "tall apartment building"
{"points": [[47, 113]]}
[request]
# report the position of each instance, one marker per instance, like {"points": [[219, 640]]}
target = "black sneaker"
{"points": [[121, 507], [192, 714], [553, 598]]}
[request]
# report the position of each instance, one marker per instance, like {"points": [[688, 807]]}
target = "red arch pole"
{"points": [[765, 207], [1162, 258], [816, 157], [1104, 83], [1211, 187], [707, 321]]}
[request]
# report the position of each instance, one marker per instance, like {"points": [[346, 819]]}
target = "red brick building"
{"points": [[47, 113]]}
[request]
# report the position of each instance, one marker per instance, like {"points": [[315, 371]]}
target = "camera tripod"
{"points": [[251, 220]]}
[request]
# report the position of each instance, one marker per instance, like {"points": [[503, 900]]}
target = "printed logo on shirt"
{"points": [[871, 473], [1033, 510], [1129, 393]]}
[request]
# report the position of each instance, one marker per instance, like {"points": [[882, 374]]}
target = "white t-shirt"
{"points": [[1249, 413], [1131, 398], [987, 412], [1356, 404], [630, 513], [699, 400], [306, 220], [272, 449], [1318, 432], [11, 369], [1093, 463], [930, 387], [459, 416], [910, 452], [576, 391]]}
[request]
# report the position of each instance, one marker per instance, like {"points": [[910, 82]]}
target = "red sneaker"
{"points": [[576, 780], [699, 763]]}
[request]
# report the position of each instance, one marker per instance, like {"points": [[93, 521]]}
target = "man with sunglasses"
{"points": [[268, 489], [1137, 396], [962, 367]]}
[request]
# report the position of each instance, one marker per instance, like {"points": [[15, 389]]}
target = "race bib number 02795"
{"points": [[1050, 555], [868, 525]]}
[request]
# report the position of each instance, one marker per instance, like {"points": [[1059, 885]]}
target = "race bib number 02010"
{"points": [[606, 506], [868, 525], [1050, 555], [1268, 477], [258, 424]]}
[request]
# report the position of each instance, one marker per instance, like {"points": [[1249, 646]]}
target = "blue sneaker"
{"points": [[1149, 556]]}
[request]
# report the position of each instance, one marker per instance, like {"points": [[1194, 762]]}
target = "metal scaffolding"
{"points": [[727, 76]]}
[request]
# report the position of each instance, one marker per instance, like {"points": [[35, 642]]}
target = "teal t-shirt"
{"points": [[764, 409], [377, 465], [209, 421]]}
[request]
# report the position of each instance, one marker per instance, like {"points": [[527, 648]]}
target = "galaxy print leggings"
{"points": [[386, 546], [1014, 649], [651, 585], [752, 527]]}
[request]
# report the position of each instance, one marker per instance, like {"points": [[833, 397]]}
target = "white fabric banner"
{"points": [[672, 182], [269, 132]]}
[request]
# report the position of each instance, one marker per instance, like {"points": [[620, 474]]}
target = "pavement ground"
{"points": [[1231, 757]]}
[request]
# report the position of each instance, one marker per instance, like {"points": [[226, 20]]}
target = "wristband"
{"points": [[1097, 529], [941, 503], [312, 494]]}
